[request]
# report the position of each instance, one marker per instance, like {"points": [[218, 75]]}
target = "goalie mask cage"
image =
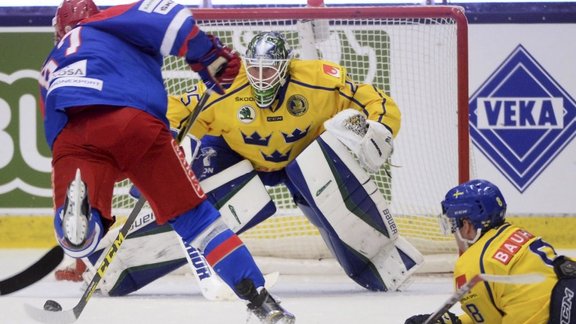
{"points": [[418, 55]]}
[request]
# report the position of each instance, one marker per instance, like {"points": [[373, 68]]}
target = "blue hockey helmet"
{"points": [[479, 201]]}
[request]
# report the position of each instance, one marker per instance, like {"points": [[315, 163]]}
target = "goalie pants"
{"points": [[110, 144]]}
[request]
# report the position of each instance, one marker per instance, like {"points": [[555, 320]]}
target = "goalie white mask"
{"points": [[266, 62]]}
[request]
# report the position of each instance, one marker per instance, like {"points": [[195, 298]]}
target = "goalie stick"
{"points": [[52, 312], [458, 294], [33, 273]]}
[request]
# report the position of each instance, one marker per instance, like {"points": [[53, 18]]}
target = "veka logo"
{"points": [[521, 119]]}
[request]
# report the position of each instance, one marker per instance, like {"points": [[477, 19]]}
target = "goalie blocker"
{"points": [[331, 189]]}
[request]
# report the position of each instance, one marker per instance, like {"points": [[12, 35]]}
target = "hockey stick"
{"points": [[52, 312], [33, 273], [457, 296]]}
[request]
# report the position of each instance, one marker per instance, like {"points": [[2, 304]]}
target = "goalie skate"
{"points": [[263, 305]]}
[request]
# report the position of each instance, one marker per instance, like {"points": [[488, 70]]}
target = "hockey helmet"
{"points": [[266, 62], [479, 201], [70, 13]]}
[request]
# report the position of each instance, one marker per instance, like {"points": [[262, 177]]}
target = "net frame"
{"points": [[307, 237]]}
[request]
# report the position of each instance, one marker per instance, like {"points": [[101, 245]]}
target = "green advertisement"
{"points": [[24, 155]]}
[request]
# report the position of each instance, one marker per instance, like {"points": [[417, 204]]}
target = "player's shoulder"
{"points": [[318, 72], [506, 245]]}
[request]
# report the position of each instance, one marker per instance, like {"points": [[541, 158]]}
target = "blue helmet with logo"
{"points": [[479, 201]]}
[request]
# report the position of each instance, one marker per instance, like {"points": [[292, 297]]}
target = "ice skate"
{"points": [[76, 212], [263, 305], [78, 228]]}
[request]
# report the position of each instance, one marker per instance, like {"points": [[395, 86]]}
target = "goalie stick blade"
{"points": [[49, 317], [33, 273]]}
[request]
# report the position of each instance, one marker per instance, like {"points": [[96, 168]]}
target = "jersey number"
{"points": [[74, 41], [475, 313]]}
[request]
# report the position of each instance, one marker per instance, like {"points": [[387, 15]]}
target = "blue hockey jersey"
{"points": [[115, 58]]}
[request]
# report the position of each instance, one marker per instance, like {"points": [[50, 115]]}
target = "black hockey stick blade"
{"points": [[33, 273]]}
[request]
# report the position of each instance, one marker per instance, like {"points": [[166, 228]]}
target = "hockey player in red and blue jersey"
{"points": [[104, 107]]}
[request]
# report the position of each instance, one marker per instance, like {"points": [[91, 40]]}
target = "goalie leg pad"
{"points": [[232, 185], [347, 206], [395, 266], [149, 252], [240, 196]]}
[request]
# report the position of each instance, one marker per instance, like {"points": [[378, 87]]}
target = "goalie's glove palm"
{"points": [[218, 67], [370, 141]]}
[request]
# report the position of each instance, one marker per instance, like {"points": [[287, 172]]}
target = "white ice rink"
{"points": [[176, 299]]}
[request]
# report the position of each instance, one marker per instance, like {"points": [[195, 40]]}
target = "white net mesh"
{"points": [[414, 60]]}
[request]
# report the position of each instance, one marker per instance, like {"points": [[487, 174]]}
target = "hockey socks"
{"points": [[203, 229]]}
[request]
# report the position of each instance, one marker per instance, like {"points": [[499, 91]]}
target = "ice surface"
{"points": [[175, 299]]}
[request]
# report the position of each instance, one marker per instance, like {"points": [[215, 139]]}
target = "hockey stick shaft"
{"points": [[33, 273], [70, 316], [506, 279]]}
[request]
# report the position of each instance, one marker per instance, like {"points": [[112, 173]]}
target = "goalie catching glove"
{"points": [[218, 67], [369, 140], [447, 318]]}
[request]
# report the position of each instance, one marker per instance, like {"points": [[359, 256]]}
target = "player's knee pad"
{"points": [[347, 206], [240, 196], [93, 230]]}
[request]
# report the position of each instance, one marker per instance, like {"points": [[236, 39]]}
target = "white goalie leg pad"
{"points": [[136, 251], [398, 264], [394, 257], [243, 204], [323, 185]]}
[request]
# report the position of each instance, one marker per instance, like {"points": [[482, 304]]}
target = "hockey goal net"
{"points": [[418, 55]]}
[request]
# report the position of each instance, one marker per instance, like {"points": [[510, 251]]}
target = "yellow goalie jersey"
{"points": [[506, 250], [270, 138]]}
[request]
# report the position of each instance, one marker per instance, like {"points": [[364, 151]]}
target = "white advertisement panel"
{"points": [[523, 113]]}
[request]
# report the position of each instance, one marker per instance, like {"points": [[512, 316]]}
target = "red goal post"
{"points": [[418, 55]]}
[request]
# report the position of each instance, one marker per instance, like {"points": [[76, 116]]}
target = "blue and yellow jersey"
{"points": [[270, 138], [506, 250]]}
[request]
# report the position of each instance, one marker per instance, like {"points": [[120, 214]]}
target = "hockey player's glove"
{"points": [[447, 318], [218, 67], [564, 267], [369, 140]]}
